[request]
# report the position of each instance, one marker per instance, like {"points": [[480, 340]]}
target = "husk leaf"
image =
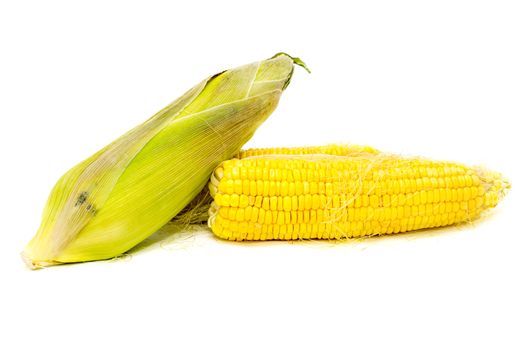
{"points": [[116, 198]]}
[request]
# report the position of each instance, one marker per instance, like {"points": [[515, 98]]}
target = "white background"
{"points": [[443, 79]]}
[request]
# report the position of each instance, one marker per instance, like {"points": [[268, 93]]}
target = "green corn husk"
{"points": [[116, 198]]}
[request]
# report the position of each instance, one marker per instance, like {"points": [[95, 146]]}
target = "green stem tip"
{"points": [[296, 61]]}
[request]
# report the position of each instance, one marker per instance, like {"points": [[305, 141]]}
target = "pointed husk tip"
{"points": [[35, 264]]}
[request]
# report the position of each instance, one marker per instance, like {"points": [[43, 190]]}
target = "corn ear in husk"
{"points": [[116, 198]]}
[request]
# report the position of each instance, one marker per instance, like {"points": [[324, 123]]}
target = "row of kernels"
{"points": [[320, 169], [432, 196], [378, 167], [276, 150], [276, 188], [330, 149], [276, 174], [387, 187], [266, 231], [260, 215], [407, 169], [316, 201], [407, 185]]}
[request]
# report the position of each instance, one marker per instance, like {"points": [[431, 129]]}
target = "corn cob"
{"points": [[125, 192], [281, 197]]}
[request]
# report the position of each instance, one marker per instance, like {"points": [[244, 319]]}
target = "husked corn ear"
{"points": [[333, 197], [338, 150], [119, 196]]}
